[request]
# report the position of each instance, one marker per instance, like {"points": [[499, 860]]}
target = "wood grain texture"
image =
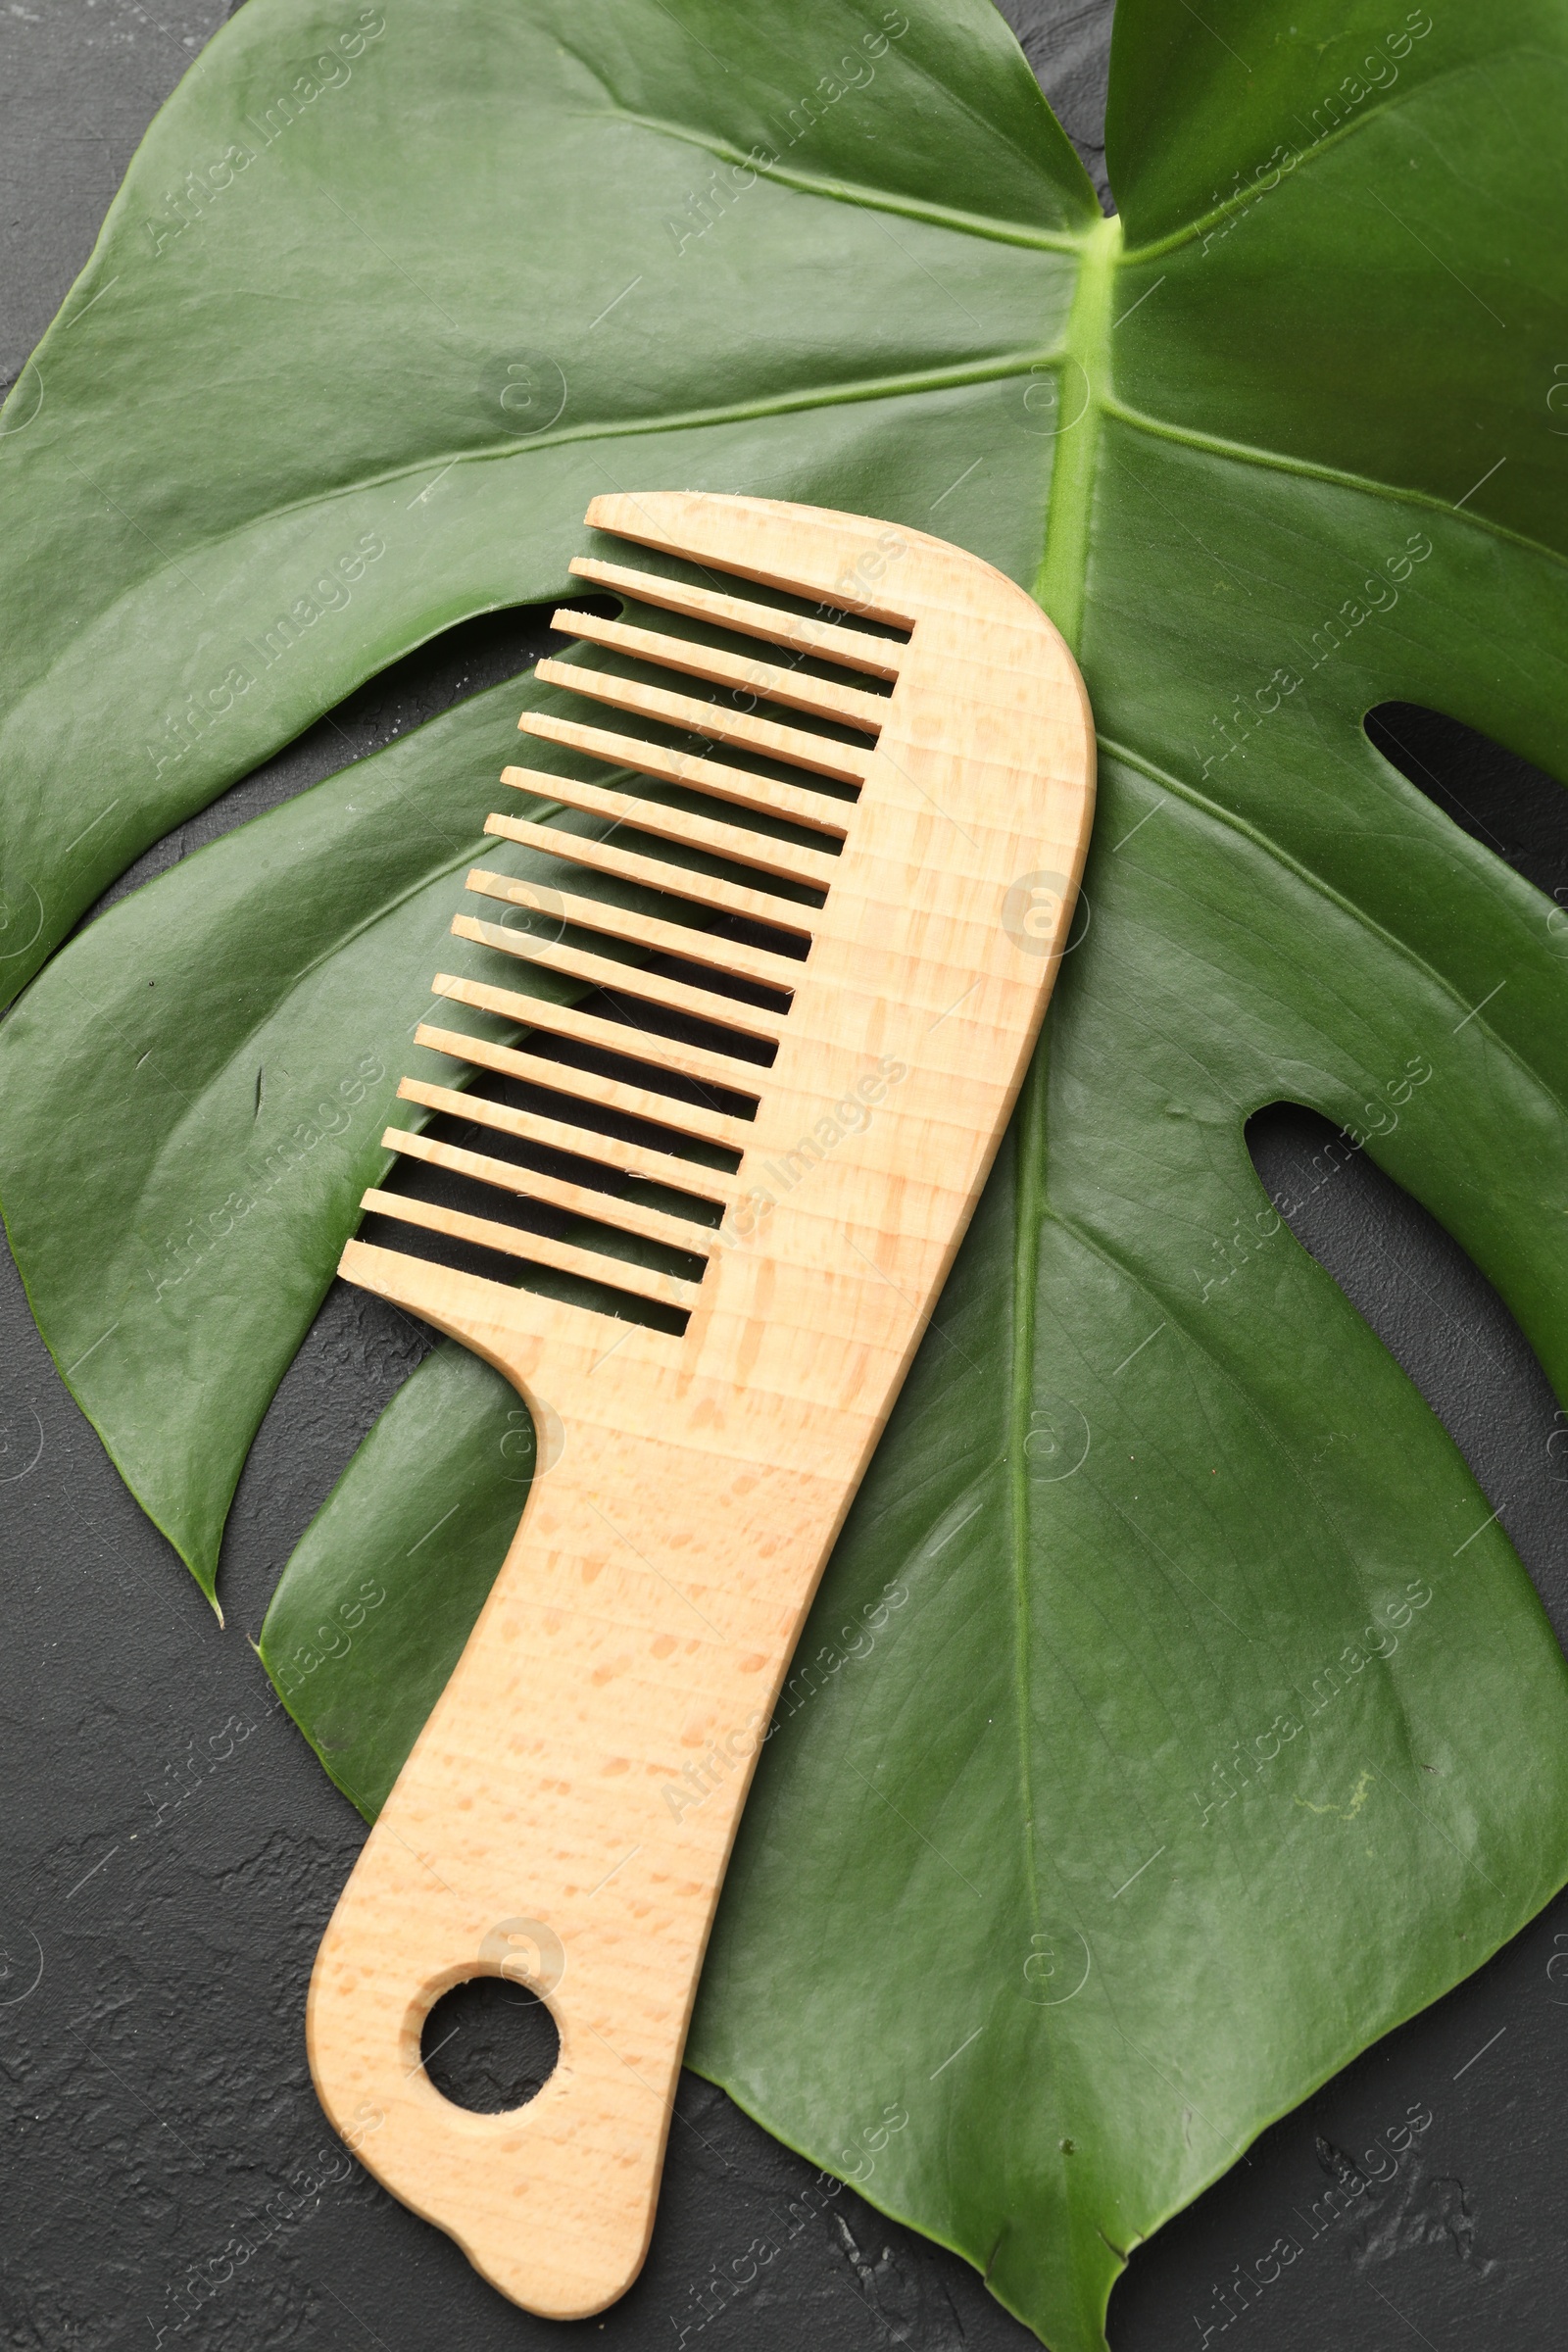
{"points": [[797, 689], [723, 836], [643, 930], [822, 753], [587, 1086], [632, 866], [567, 1814], [879, 659]]}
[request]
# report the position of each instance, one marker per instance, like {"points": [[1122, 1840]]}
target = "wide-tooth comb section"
{"points": [[641, 997], [641, 930], [760, 794], [631, 1159], [609, 1037], [824, 697], [758, 849], [654, 873], [851, 649], [604, 1209], [624, 979], [564, 1078], [846, 762], [512, 1241]]}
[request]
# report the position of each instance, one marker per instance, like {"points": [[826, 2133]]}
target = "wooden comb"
{"points": [[565, 1815]]}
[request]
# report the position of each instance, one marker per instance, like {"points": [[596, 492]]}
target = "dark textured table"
{"points": [[159, 1910]]}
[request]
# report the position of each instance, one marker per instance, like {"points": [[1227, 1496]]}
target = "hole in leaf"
{"points": [[1440, 1319], [490, 2045], [1514, 809]]}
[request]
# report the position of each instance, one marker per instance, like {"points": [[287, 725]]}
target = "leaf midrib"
{"points": [[1029, 1156], [1064, 559], [860, 192], [1173, 240], [1247, 453], [1059, 590]]}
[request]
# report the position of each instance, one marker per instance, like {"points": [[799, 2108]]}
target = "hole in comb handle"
{"points": [[490, 2045]]}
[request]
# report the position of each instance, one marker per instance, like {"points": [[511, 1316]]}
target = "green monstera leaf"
{"points": [[1174, 1720]]}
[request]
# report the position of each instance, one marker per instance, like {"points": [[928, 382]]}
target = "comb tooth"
{"points": [[768, 682], [564, 1078], [846, 762], [770, 857], [624, 979], [759, 793], [611, 1037], [604, 1209], [432, 1289], [721, 532], [851, 649], [565, 1256], [629, 866], [657, 874], [632, 1160], [643, 930]]}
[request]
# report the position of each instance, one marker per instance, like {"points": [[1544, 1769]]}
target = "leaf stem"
{"points": [[1029, 1164], [1085, 385], [1085, 372]]}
